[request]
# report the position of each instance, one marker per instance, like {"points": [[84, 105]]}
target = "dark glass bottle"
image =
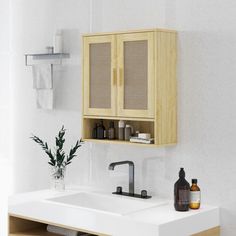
{"points": [[111, 131], [181, 192], [94, 132], [100, 130]]}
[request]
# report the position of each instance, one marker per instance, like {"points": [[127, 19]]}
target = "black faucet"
{"points": [[131, 173]]}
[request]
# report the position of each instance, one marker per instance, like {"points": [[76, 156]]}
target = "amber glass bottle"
{"points": [[181, 192], [195, 195]]}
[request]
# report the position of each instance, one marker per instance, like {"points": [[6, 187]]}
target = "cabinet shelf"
{"points": [[115, 141], [137, 125], [26, 227], [119, 118], [34, 232]]}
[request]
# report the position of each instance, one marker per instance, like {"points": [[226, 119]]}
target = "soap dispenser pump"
{"points": [[181, 192]]}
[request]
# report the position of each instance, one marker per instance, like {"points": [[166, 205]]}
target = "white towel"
{"points": [[42, 76], [61, 231], [44, 98]]}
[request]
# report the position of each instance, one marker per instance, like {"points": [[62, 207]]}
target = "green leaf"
{"points": [[58, 158], [67, 163]]}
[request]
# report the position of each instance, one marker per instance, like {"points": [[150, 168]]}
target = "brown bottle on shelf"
{"points": [[94, 132], [111, 131], [100, 130], [195, 195], [181, 192]]}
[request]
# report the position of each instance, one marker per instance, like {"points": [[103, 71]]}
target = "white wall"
{"points": [[206, 96], [5, 151], [4, 77], [34, 23], [207, 45]]}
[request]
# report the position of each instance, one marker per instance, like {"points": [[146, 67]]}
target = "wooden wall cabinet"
{"points": [[131, 76]]}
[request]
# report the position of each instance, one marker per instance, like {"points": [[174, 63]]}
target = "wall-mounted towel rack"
{"points": [[56, 58]]}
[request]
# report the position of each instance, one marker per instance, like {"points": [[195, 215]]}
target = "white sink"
{"points": [[113, 204]]}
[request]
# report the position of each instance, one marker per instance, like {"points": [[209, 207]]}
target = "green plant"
{"points": [[58, 158]]}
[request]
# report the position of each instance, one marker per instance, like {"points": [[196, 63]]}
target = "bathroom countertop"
{"points": [[159, 221]]}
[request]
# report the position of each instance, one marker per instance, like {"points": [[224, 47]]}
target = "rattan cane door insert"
{"points": [[136, 75], [99, 87]]}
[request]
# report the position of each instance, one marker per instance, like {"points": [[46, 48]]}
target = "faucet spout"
{"points": [[131, 172]]}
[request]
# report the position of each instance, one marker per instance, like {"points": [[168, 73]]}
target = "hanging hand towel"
{"points": [[42, 76], [44, 98]]}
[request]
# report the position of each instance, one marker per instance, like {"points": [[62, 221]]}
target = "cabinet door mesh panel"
{"points": [[100, 75], [136, 75]]}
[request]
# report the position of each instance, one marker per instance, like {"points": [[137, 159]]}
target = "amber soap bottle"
{"points": [[195, 195], [181, 192]]}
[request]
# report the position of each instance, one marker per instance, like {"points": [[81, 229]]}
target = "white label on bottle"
{"points": [[195, 196]]}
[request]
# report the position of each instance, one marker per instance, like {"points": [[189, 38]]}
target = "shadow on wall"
{"points": [[68, 77]]}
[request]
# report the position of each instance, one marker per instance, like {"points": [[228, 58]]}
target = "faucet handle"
{"points": [[119, 189]]}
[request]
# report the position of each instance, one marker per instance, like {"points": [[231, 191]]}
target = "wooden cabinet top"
{"points": [[131, 31]]}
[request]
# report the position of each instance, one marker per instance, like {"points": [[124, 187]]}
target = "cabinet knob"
{"points": [[114, 76], [121, 76]]}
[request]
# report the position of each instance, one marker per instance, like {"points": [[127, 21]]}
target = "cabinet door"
{"points": [[99, 75], [136, 75]]}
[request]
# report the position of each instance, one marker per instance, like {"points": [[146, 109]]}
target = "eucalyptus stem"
{"points": [[59, 158]]}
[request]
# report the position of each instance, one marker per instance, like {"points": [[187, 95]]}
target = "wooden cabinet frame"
{"points": [[162, 85], [86, 74], [121, 39]]}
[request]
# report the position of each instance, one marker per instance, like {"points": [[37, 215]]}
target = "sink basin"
{"points": [[118, 205]]}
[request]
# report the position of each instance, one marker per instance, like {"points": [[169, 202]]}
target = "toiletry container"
{"points": [[58, 42], [195, 195], [121, 128], [127, 132], [111, 131], [181, 192], [100, 130], [136, 133], [94, 132]]}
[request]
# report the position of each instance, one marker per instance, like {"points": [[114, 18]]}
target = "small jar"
{"points": [[136, 133], [58, 42], [195, 195]]}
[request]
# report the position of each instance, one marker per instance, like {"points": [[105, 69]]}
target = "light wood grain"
{"points": [[18, 225], [166, 88], [141, 126], [119, 118], [162, 84], [210, 232], [41, 231], [26, 226], [131, 31], [87, 41], [121, 39]]}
